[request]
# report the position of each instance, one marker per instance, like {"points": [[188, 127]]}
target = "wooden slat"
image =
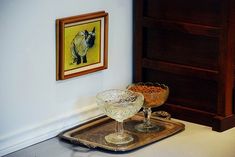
{"points": [[137, 39], [191, 28], [180, 69]]}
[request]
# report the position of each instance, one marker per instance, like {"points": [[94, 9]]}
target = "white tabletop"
{"points": [[195, 141]]}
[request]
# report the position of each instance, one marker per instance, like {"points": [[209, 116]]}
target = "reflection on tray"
{"points": [[92, 133]]}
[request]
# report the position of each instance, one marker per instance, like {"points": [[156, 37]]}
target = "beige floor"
{"points": [[195, 141]]}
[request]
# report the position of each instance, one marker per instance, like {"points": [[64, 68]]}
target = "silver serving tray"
{"points": [[92, 133]]}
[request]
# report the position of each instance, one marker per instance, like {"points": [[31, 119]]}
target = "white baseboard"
{"points": [[29, 136]]}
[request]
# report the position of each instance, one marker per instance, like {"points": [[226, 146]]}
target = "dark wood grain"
{"points": [[189, 45], [137, 39], [196, 29], [205, 12], [184, 70]]}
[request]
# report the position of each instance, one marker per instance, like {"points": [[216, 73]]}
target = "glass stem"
{"points": [[147, 114], [119, 128]]}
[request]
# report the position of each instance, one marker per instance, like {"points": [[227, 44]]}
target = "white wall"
{"points": [[33, 105]]}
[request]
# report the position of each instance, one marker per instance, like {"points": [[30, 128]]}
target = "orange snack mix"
{"points": [[154, 95]]}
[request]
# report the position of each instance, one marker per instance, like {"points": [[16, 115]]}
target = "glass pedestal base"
{"points": [[148, 127], [116, 138]]}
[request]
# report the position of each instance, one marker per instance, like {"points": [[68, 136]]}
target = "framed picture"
{"points": [[81, 44]]}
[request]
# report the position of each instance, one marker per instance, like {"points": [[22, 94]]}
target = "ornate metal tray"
{"points": [[92, 133]]}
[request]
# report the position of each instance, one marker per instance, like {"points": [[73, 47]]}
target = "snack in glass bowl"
{"points": [[155, 94]]}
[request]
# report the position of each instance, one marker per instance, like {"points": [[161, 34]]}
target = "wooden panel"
{"points": [[206, 12], [190, 28], [180, 47], [137, 39], [183, 70], [224, 107], [190, 46], [186, 91], [188, 114]]}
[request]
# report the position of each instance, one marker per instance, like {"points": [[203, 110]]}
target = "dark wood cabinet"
{"points": [[188, 45]]}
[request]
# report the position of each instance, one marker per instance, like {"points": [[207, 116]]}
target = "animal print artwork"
{"points": [[81, 44]]}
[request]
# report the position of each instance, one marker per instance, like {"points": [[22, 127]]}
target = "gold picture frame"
{"points": [[81, 44]]}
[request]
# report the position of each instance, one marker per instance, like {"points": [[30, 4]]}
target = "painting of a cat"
{"points": [[81, 44]]}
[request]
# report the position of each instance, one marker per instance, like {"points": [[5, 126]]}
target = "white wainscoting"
{"points": [[29, 136]]}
